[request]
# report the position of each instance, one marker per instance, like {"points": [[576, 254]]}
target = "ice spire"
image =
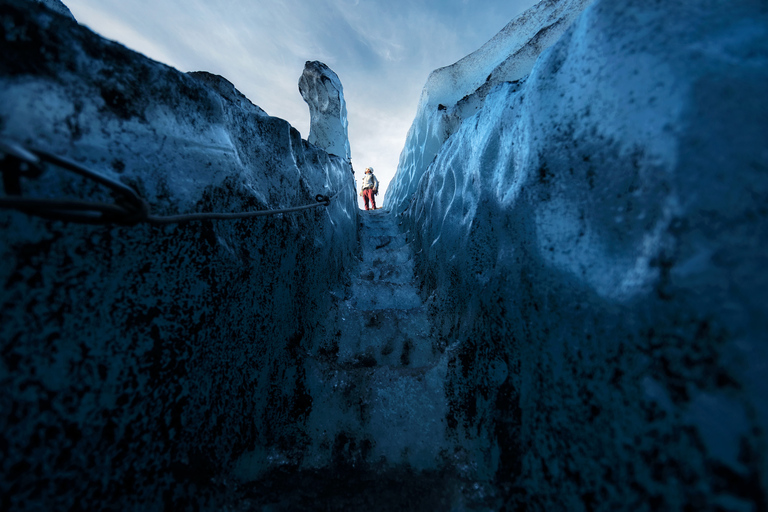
{"points": [[321, 89]]}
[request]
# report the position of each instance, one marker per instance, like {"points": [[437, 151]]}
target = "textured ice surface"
{"points": [[321, 89], [139, 362], [55, 5], [376, 382], [599, 230], [571, 316], [456, 92]]}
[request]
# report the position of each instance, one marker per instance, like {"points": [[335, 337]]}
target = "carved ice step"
{"points": [[388, 270], [389, 337], [403, 410], [373, 243], [384, 295]]}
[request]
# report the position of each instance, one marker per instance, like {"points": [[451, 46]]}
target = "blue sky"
{"points": [[382, 51]]}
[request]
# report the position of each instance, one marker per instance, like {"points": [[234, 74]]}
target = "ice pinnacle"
{"points": [[321, 89]]}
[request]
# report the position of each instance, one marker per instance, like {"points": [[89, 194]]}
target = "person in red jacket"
{"points": [[369, 188]]}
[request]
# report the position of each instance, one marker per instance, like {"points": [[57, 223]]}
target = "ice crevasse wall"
{"points": [[585, 197], [138, 361], [591, 235]]}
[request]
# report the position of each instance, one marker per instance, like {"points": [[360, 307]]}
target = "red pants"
{"points": [[369, 196]]}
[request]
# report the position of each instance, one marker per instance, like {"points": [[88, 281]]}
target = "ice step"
{"points": [[378, 242], [384, 295], [402, 409], [389, 337], [376, 372], [383, 271]]}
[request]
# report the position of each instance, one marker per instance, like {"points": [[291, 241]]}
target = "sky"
{"points": [[382, 51]]}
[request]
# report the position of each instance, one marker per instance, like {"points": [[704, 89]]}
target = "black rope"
{"points": [[17, 161], [171, 219]]}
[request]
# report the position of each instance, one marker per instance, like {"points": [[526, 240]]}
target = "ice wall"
{"points": [[594, 240], [321, 89], [56, 6], [456, 92], [138, 362]]}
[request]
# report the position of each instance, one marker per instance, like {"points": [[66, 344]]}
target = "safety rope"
{"points": [[17, 161]]}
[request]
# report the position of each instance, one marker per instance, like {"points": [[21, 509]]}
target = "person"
{"points": [[369, 188]]}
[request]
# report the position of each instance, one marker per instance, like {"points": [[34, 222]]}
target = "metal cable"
{"points": [[129, 208], [171, 219]]}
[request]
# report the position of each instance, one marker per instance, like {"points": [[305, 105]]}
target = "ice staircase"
{"points": [[380, 398]]}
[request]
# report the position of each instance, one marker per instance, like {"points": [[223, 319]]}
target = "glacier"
{"points": [[456, 92], [137, 361], [57, 6], [561, 307], [321, 88], [597, 230]]}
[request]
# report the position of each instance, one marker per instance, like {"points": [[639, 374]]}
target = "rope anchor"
{"points": [[17, 161]]}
